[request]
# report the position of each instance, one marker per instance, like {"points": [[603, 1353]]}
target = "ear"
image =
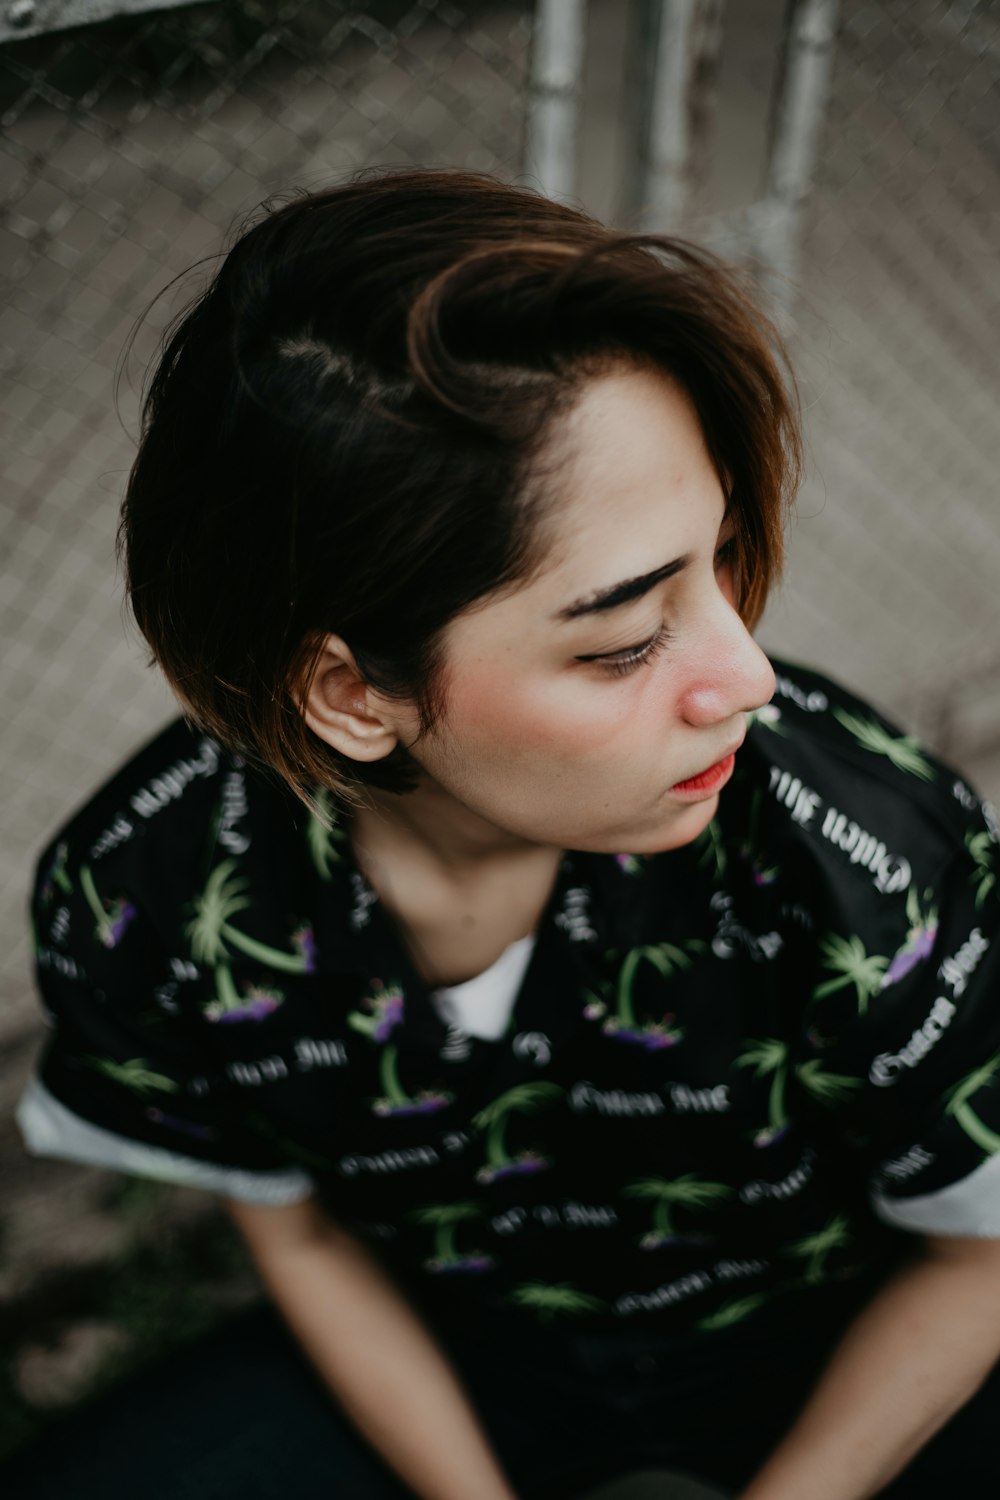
{"points": [[340, 707]]}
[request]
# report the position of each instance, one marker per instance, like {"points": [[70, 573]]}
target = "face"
{"points": [[599, 705]]}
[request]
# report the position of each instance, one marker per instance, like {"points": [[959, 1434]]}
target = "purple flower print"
{"points": [[918, 946], [185, 1127], [119, 916], [460, 1263], [421, 1104], [304, 943], [629, 864], [259, 1003], [654, 1037], [769, 1135], [528, 1162], [384, 1007], [232, 1008], [388, 1015]]}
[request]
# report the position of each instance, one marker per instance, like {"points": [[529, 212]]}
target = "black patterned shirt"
{"points": [[750, 1067]]}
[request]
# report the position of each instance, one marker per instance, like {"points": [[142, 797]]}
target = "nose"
{"points": [[729, 673]]}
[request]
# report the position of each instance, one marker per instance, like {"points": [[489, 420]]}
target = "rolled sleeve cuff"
{"points": [[48, 1128], [968, 1207]]}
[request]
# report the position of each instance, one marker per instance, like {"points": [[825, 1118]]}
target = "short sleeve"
{"points": [[904, 1045], [125, 1080]]}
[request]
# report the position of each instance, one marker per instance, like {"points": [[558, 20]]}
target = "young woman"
{"points": [[592, 1028]]}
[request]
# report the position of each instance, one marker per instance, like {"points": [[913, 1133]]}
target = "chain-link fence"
{"points": [[896, 556], [129, 146]]}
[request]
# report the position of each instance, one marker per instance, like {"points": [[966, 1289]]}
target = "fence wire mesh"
{"points": [[896, 555], [127, 150]]}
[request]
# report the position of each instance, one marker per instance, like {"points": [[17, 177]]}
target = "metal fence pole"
{"points": [[800, 105], [666, 161], [553, 107]]}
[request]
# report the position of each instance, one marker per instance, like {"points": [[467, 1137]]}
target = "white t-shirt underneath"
{"points": [[482, 1005]]}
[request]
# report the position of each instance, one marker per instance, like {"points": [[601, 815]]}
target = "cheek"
{"points": [[572, 714]]}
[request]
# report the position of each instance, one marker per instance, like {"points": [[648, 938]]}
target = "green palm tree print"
{"points": [[135, 1075], [622, 1023], [323, 835], [212, 934], [903, 751], [112, 919], [983, 851], [56, 876], [733, 1311], [680, 1192], [961, 1111], [395, 1100], [383, 1012], [446, 1258], [551, 1298], [769, 1055], [847, 958], [827, 1088], [524, 1098], [816, 1247], [713, 851]]}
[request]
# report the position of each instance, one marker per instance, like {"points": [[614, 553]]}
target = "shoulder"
{"points": [[145, 840], [166, 789], [841, 779], [879, 866]]}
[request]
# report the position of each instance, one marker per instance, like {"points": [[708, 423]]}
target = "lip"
{"points": [[706, 783]]}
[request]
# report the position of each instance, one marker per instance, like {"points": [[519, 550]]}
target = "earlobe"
{"points": [[340, 707]]}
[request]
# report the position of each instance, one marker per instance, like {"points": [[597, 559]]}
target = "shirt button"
{"points": [[645, 1364]]}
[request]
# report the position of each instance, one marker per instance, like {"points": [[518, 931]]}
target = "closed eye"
{"points": [[619, 663]]}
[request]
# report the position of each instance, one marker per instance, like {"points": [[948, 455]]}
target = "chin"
{"points": [[684, 827]]}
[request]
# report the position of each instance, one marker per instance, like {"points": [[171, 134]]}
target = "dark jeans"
{"points": [[240, 1416]]}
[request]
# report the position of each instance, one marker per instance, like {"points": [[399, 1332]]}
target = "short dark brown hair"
{"points": [[343, 433]]}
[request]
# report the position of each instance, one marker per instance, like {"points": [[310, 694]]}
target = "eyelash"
{"points": [[620, 663]]}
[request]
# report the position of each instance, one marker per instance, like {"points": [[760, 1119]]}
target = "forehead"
{"points": [[633, 486]]}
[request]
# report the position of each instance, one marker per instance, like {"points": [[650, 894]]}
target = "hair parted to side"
{"points": [[345, 430]]}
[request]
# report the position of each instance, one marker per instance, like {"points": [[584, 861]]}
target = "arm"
{"points": [[372, 1351], [921, 1348]]}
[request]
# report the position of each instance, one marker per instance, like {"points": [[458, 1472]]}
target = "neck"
{"points": [[432, 823]]}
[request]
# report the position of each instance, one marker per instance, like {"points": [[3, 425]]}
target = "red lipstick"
{"points": [[706, 782]]}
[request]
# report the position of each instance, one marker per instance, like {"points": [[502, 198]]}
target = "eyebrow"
{"points": [[621, 593]]}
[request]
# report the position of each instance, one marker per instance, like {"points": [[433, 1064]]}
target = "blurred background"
{"points": [[850, 151]]}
